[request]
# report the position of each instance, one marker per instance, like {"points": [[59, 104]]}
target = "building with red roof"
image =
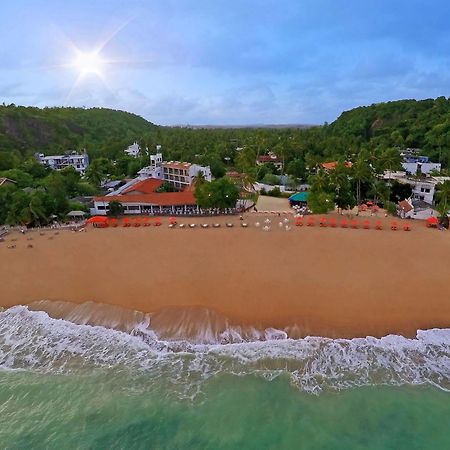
{"points": [[333, 164], [141, 198]]}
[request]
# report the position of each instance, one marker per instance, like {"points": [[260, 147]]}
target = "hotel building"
{"points": [[79, 162]]}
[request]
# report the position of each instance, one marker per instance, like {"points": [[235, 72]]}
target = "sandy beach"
{"points": [[318, 281]]}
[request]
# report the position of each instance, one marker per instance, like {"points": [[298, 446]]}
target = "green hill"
{"points": [[421, 124], [27, 130]]}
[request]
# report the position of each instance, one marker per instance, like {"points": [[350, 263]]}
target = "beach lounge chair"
{"points": [[378, 225], [355, 224], [244, 225], [366, 225], [394, 225], [344, 223], [171, 225], [406, 227], [230, 225], [216, 225], [205, 225], [323, 222]]}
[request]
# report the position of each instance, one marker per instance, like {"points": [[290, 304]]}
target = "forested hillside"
{"points": [[25, 130], [105, 133]]}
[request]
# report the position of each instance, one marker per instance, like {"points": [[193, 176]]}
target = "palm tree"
{"points": [[361, 171], [320, 181], [443, 196], [379, 190], [390, 159]]}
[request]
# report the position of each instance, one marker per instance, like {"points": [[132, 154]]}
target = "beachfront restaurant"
{"points": [[299, 199], [150, 204]]}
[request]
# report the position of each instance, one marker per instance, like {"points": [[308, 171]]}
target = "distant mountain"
{"points": [[28, 129], [294, 126]]}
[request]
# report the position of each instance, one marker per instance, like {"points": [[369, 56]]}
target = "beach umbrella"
{"points": [[126, 222], [98, 219], [366, 224], [146, 221], [113, 222], [394, 225], [323, 222], [332, 222], [137, 222], [299, 222], [157, 222], [172, 220], [432, 221], [344, 223]]}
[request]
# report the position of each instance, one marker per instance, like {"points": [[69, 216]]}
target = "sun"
{"points": [[89, 63]]}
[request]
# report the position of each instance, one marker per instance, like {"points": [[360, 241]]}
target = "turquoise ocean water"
{"points": [[66, 385]]}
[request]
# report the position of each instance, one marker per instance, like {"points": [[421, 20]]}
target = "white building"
{"points": [[180, 174], [270, 158], [425, 168], [423, 189], [79, 162], [133, 150], [415, 209]]}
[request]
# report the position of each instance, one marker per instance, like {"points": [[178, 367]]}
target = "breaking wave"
{"points": [[67, 339]]}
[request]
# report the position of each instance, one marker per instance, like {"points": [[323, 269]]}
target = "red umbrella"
{"points": [[432, 221], [98, 219], [172, 220]]}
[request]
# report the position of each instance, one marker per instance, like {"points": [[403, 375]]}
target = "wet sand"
{"points": [[328, 282]]}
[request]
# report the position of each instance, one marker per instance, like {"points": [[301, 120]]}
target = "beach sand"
{"points": [[327, 282]]}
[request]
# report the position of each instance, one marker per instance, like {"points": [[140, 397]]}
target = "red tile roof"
{"points": [[405, 206], [145, 186], [332, 165], [185, 197]]}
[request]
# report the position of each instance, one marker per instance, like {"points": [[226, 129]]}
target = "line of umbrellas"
{"points": [[344, 223]]}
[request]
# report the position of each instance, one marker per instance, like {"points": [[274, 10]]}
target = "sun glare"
{"points": [[89, 63]]}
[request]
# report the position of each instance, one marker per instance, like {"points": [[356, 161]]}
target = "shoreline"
{"points": [[326, 282]]}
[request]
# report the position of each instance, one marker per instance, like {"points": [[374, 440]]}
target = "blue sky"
{"points": [[225, 62]]}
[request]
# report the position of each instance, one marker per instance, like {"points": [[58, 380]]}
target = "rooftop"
{"points": [[176, 165], [4, 181], [332, 165], [146, 186]]}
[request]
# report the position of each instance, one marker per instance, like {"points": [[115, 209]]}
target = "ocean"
{"points": [[66, 384]]}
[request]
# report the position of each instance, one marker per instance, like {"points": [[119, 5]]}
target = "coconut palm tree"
{"points": [[379, 190], [443, 195], [361, 172]]}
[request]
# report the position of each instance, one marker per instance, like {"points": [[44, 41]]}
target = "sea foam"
{"points": [[31, 340]]}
